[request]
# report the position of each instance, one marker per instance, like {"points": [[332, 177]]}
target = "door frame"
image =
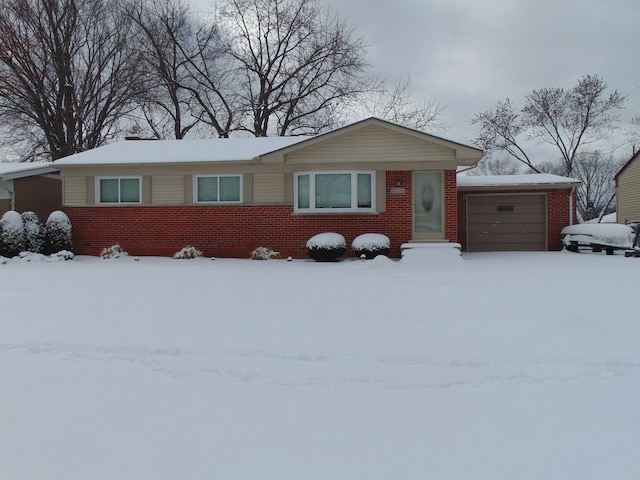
{"points": [[427, 236]]}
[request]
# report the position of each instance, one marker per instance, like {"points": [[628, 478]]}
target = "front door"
{"points": [[428, 212]]}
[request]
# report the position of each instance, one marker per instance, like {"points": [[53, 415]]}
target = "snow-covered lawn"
{"points": [[486, 366]]}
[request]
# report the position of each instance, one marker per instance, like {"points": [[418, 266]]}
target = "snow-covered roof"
{"points": [[173, 151], [11, 170], [533, 179]]}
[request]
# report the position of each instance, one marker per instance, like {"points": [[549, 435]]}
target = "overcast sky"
{"points": [[467, 54]]}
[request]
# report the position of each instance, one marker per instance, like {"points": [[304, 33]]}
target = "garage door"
{"points": [[506, 222]]}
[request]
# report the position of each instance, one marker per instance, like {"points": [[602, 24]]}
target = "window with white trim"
{"points": [[334, 191], [217, 188], [118, 189]]}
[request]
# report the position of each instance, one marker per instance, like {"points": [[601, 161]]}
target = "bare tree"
{"points": [[296, 64], [398, 106], [567, 119], [501, 130], [496, 165], [596, 171], [164, 31], [190, 72], [68, 77]]}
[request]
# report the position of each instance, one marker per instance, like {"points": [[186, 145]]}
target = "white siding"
{"points": [[372, 144], [167, 190], [629, 193], [269, 188], [6, 187], [75, 190]]}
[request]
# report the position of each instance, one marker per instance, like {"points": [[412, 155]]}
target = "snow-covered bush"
{"points": [[325, 247], [264, 253], [187, 252], [39, 257], [33, 232], [371, 245], [57, 233], [114, 251], [11, 234]]}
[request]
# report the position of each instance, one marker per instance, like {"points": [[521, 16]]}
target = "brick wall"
{"points": [[451, 206], [235, 231], [557, 213]]}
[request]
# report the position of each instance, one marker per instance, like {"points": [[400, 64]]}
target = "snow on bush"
{"points": [[613, 234], [11, 234], [57, 233], [33, 232], [114, 251], [264, 253], [326, 246], [187, 252], [38, 257], [371, 245]]}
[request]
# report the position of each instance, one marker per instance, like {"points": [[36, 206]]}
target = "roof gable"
{"points": [[368, 138]]}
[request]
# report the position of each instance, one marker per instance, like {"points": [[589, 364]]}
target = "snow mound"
{"points": [[371, 241], [59, 217], [34, 257], [430, 252], [12, 220], [327, 241], [608, 234]]}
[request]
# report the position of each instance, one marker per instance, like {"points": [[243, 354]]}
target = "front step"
{"points": [[430, 251]]}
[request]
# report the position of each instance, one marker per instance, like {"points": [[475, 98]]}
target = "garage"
{"points": [[514, 212], [506, 223]]}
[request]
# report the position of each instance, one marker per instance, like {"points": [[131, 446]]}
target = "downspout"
{"points": [[12, 193], [573, 191]]}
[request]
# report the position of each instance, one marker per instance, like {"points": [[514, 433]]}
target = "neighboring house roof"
{"points": [[242, 149], [624, 167], [10, 171], [534, 180]]}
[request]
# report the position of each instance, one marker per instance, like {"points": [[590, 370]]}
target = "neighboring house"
{"points": [[35, 187], [230, 196], [628, 191]]}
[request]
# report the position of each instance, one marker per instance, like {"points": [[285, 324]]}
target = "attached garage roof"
{"points": [[515, 182], [11, 170]]}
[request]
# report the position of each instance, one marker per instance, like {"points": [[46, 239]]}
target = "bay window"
{"points": [[334, 192]]}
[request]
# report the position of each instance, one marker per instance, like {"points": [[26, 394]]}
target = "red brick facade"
{"points": [[557, 213], [235, 231]]}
